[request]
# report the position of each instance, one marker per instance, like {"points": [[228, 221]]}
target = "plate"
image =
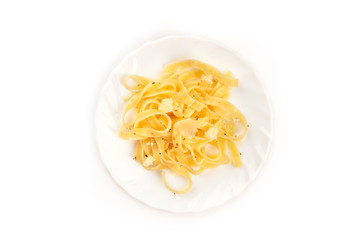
{"points": [[213, 187]]}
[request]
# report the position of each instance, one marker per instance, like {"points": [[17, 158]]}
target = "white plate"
{"points": [[213, 187]]}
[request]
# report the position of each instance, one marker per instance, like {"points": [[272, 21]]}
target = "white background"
{"points": [[55, 57]]}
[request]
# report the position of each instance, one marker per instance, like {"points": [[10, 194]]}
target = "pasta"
{"points": [[183, 121]]}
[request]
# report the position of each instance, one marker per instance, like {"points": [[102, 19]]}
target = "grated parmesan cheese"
{"points": [[187, 127], [211, 133], [149, 161], [166, 105]]}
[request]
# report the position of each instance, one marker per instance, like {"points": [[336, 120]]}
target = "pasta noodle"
{"points": [[183, 121]]}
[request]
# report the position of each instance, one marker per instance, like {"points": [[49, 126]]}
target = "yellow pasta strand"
{"points": [[183, 121]]}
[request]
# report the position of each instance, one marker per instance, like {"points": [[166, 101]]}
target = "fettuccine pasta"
{"points": [[183, 121]]}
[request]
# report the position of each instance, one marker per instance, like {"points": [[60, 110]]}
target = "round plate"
{"points": [[213, 187]]}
